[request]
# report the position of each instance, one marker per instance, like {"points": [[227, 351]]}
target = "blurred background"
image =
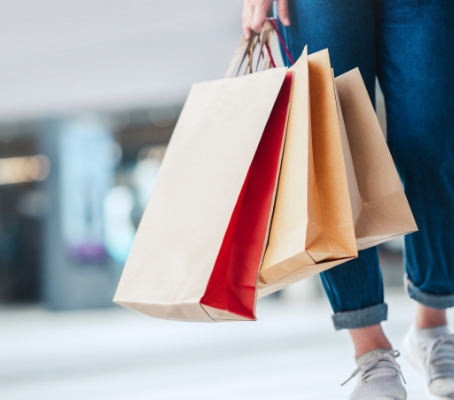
{"points": [[90, 92]]}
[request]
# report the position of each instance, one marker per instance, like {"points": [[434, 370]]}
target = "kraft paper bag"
{"points": [[380, 208], [312, 227], [199, 245]]}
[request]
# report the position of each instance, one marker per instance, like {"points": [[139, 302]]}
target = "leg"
{"points": [[416, 73], [415, 42], [369, 338], [355, 289], [345, 28], [427, 317]]}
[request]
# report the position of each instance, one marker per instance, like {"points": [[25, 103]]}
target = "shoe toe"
{"points": [[383, 388], [442, 387]]}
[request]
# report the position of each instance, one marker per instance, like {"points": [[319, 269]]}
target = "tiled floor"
{"points": [[292, 352]]}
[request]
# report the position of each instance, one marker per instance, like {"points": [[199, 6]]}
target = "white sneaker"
{"points": [[380, 377], [431, 352]]}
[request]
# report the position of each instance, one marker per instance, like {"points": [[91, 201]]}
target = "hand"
{"points": [[254, 14]]}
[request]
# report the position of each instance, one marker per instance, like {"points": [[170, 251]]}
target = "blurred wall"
{"points": [[64, 55]]}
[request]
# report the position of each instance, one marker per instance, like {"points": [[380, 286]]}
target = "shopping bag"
{"points": [[199, 245], [312, 227], [380, 208]]}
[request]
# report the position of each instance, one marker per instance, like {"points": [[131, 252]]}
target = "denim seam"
{"points": [[436, 301], [360, 318]]}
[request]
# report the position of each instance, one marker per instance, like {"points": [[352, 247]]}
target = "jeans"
{"points": [[409, 46]]}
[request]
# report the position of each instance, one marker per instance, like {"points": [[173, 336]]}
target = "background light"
{"points": [[23, 169]]}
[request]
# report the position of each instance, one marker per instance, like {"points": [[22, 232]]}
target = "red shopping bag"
{"points": [[232, 285]]}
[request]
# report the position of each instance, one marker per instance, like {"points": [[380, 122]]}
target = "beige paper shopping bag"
{"points": [[199, 245], [312, 227], [380, 207]]}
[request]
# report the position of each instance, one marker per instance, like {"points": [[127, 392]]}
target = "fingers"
{"points": [[248, 12], [258, 20], [254, 16], [282, 11], [247, 33]]}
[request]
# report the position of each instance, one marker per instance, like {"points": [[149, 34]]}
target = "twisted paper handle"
{"points": [[245, 50], [273, 23]]}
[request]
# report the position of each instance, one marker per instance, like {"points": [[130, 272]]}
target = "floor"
{"points": [[292, 352]]}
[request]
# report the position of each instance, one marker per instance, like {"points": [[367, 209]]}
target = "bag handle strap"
{"points": [[265, 39], [246, 48], [240, 53], [245, 52], [273, 22]]}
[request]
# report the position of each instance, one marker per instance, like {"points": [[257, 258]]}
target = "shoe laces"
{"points": [[381, 364], [439, 356]]}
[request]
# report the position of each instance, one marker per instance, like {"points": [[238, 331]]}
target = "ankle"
{"points": [[368, 339], [361, 350], [430, 317]]}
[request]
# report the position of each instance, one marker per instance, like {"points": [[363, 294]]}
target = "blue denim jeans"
{"points": [[409, 46]]}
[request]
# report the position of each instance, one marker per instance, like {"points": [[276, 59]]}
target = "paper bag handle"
{"points": [[273, 23], [246, 48], [245, 52]]}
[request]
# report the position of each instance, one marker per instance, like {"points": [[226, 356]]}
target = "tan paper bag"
{"points": [[312, 227], [199, 245], [380, 208]]}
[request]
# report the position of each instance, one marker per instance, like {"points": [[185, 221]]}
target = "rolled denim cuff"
{"points": [[430, 300], [361, 318]]}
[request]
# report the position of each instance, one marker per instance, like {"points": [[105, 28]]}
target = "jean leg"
{"points": [[355, 291], [347, 29], [416, 72]]}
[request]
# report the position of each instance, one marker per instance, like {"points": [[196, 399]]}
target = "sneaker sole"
{"points": [[416, 363], [385, 398]]}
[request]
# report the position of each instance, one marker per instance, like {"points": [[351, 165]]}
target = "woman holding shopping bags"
{"points": [[408, 45]]}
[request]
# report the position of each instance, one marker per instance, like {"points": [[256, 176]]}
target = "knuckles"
{"points": [[257, 27]]}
